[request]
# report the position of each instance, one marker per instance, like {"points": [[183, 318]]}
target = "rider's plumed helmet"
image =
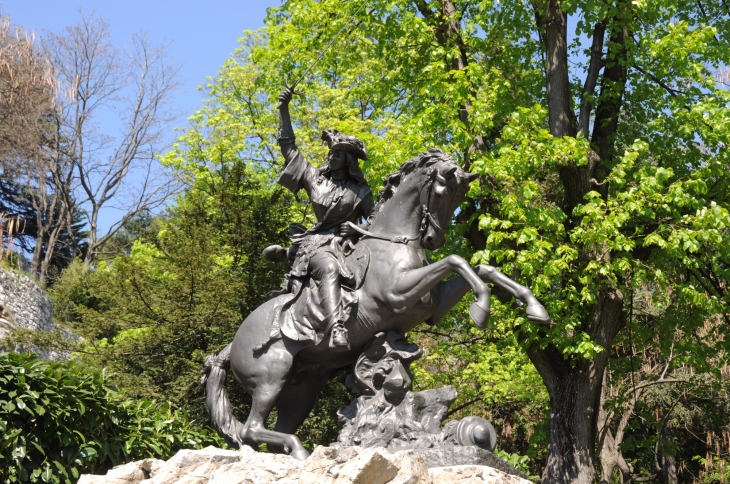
{"points": [[338, 141]]}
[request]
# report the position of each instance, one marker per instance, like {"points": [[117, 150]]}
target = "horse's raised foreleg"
{"points": [[535, 311], [451, 292], [411, 285]]}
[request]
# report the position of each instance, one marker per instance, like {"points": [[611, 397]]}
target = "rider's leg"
{"points": [[326, 271]]}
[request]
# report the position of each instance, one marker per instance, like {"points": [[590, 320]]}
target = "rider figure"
{"points": [[339, 194]]}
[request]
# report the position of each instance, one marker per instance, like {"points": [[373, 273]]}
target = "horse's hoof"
{"points": [[479, 314], [300, 454], [537, 313]]}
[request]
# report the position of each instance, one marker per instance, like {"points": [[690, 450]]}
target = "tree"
{"points": [[31, 154], [598, 178], [53, 94], [137, 85], [26, 95]]}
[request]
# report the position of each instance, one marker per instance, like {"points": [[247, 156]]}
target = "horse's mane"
{"points": [[395, 179]]}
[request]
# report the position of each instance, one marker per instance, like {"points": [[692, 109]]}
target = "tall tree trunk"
{"points": [[93, 231], [575, 386], [572, 436], [669, 462], [560, 114], [575, 391]]}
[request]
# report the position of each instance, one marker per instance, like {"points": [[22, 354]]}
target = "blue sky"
{"points": [[201, 36]]}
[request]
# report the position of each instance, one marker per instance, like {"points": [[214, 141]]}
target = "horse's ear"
{"points": [[470, 177], [448, 171], [394, 179]]}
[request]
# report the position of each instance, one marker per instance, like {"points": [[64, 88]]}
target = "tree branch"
{"points": [[594, 68]]}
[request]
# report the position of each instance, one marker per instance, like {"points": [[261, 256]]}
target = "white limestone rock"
{"points": [[472, 475], [326, 465], [130, 473], [372, 466]]}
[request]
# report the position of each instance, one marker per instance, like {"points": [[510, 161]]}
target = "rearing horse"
{"points": [[398, 289]]}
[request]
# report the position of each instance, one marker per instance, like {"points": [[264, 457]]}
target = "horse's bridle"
{"points": [[426, 216]]}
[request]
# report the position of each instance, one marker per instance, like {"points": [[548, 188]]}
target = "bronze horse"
{"points": [[397, 289]]}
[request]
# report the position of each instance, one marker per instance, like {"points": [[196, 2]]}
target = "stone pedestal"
{"points": [[326, 465]]}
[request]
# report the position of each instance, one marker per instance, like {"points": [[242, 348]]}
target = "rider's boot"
{"points": [[275, 253], [339, 336], [331, 301]]}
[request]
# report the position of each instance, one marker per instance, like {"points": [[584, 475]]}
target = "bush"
{"points": [[58, 420]]}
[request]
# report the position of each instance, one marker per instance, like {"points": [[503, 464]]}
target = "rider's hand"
{"points": [[346, 230], [285, 97]]}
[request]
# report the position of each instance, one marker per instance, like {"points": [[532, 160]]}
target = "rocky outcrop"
{"points": [[326, 465]]}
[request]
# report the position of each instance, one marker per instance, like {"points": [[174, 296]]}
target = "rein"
{"points": [[426, 217]]}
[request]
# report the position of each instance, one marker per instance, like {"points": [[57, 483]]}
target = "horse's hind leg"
{"points": [[296, 400], [254, 430], [268, 386]]}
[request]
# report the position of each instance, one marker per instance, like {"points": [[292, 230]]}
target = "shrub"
{"points": [[58, 420]]}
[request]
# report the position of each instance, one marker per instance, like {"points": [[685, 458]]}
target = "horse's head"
{"points": [[444, 190], [422, 196]]}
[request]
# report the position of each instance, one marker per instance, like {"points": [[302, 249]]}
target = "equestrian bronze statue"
{"points": [[348, 283]]}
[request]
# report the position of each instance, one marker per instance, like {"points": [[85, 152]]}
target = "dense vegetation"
{"points": [[60, 420], [604, 188]]}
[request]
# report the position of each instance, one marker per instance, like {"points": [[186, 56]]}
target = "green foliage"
{"points": [[58, 420], [153, 315], [715, 470], [519, 462]]}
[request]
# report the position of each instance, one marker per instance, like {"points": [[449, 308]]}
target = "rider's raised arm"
{"points": [[286, 131], [297, 173]]}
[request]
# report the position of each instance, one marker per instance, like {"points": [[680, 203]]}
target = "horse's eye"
{"points": [[439, 188]]}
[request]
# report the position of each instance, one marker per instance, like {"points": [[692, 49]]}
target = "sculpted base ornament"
{"points": [[388, 414]]}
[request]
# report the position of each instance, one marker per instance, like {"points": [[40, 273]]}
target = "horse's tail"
{"points": [[214, 373]]}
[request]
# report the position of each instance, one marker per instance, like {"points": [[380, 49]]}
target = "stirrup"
{"points": [[338, 337]]}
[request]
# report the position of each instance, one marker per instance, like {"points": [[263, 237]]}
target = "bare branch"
{"points": [[137, 83]]}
